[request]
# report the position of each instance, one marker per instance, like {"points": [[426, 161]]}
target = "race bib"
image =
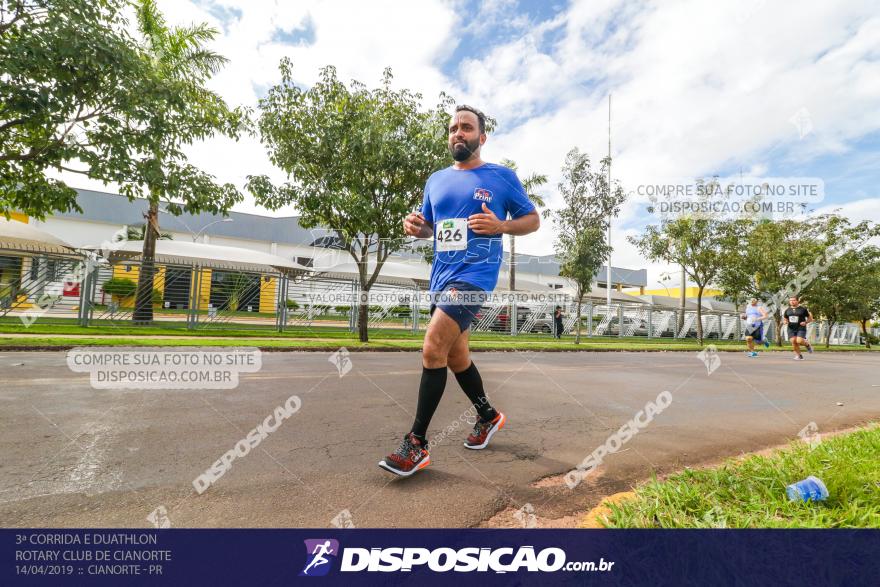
{"points": [[451, 235], [794, 319]]}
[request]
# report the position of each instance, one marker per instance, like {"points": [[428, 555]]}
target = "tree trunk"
{"points": [[363, 315], [700, 315], [828, 333], [864, 323], [778, 315], [577, 338], [512, 263], [143, 306]]}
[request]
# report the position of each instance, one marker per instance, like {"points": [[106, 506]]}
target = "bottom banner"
{"points": [[429, 557]]}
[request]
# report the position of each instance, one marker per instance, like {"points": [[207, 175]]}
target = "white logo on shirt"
{"points": [[483, 195]]}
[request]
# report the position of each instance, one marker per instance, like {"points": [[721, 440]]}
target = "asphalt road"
{"points": [[76, 456]]}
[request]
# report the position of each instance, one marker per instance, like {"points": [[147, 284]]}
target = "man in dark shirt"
{"points": [[557, 322], [795, 320]]}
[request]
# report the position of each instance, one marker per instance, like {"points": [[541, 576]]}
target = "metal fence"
{"points": [[192, 297], [41, 288]]}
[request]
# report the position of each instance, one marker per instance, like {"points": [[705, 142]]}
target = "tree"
{"points": [[700, 245], [79, 93], [70, 75], [763, 257], [358, 160], [426, 252], [122, 287], [138, 231], [589, 203], [848, 288], [186, 112], [530, 184], [868, 303]]}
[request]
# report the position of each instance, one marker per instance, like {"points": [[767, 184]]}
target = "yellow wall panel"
{"points": [[268, 293]]}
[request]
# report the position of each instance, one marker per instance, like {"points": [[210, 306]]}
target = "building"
{"points": [[103, 214]]}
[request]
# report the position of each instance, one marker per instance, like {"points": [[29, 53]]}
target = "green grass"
{"points": [[750, 493], [55, 334], [377, 342]]}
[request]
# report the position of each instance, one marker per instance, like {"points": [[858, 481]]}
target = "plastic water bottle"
{"points": [[807, 489]]}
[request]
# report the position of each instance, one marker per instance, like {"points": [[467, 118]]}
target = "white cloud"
{"points": [[698, 87]]}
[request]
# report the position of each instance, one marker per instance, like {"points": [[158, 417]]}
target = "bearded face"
{"points": [[464, 136], [463, 150]]}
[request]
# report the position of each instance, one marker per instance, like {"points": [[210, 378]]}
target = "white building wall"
{"points": [[80, 233]]}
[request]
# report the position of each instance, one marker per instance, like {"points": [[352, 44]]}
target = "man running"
{"points": [[461, 202], [796, 317], [754, 317]]}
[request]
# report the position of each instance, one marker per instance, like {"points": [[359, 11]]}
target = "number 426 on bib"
{"points": [[452, 235]]}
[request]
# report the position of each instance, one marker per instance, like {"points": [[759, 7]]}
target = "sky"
{"points": [[754, 87]]}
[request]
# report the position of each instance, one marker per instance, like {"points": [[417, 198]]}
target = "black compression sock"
{"points": [[430, 392], [472, 385]]}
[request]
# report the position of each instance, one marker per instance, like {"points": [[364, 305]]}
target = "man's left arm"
{"points": [[526, 224]]}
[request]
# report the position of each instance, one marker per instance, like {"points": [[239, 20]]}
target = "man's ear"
{"points": [[482, 139]]}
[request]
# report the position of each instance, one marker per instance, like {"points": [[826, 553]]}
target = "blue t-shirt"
{"points": [[458, 193], [754, 311]]}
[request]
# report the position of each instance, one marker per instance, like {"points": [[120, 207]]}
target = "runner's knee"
{"points": [[433, 354], [459, 359]]}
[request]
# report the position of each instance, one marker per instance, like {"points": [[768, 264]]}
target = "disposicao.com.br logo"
{"points": [[322, 552]]}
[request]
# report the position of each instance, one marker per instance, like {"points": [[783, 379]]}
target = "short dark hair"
{"points": [[480, 116]]}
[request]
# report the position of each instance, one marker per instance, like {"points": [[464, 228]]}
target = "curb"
{"points": [[324, 349]]}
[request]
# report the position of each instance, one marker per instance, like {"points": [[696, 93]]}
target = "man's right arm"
{"points": [[416, 225]]}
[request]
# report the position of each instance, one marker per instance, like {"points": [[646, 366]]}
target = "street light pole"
{"points": [[204, 228], [608, 264], [195, 235]]}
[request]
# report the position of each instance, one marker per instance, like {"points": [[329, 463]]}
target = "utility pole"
{"points": [[608, 263], [682, 298]]}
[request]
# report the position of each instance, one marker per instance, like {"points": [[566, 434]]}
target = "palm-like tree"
{"points": [[180, 59], [531, 184], [137, 232]]}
